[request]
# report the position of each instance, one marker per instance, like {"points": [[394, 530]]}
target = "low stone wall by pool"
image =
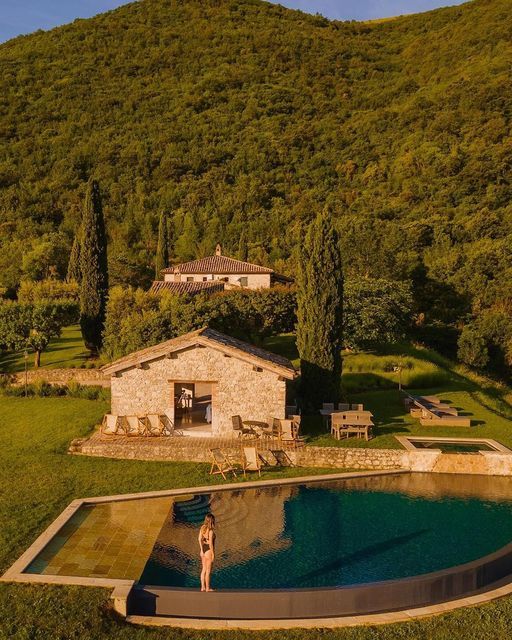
{"points": [[191, 450]]}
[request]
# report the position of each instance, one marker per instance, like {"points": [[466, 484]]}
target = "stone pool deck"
{"points": [[181, 449]]}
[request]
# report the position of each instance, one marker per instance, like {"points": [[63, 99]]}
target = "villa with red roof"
{"points": [[217, 273]]}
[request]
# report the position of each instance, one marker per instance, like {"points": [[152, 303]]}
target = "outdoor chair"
{"points": [[328, 406], [357, 407], [133, 426], [343, 406], [251, 460], [296, 420], [159, 425], [281, 457], [238, 426], [169, 426], [221, 463], [287, 430], [111, 425], [274, 428], [291, 409]]}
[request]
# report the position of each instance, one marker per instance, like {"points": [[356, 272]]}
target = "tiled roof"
{"points": [[217, 264], [186, 288], [212, 338]]}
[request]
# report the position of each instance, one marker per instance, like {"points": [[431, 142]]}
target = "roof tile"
{"points": [[186, 288], [217, 264]]}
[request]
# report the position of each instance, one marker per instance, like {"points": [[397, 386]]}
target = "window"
{"points": [[244, 281], [190, 278], [205, 278]]}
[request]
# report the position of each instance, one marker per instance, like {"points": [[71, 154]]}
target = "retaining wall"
{"points": [[61, 376], [185, 449]]}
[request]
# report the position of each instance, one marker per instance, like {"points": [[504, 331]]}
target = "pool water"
{"points": [[332, 534], [322, 534]]}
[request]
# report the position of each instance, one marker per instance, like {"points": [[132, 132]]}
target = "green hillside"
{"points": [[243, 119]]}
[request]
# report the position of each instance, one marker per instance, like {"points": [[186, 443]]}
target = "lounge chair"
{"points": [[133, 426], [221, 464], [251, 460], [160, 425], [111, 425], [281, 457]]}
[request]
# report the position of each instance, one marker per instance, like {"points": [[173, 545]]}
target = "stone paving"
{"points": [[111, 540]]}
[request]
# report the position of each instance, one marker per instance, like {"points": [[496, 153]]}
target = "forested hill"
{"points": [[243, 119]]}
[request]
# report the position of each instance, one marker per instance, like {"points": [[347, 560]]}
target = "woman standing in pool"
{"points": [[207, 546]]}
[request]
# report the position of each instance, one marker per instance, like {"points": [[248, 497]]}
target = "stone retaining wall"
{"points": [[185, 449], [362, 458], [62, 376]]}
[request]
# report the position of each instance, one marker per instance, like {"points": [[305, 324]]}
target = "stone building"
{"points": [[200, 380], [207, 273]]}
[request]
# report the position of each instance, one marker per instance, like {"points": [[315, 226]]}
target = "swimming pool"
{"points": [[319, 542], [453, 445]]}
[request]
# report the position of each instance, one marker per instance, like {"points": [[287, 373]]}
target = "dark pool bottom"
{"points": [[360, 546]]}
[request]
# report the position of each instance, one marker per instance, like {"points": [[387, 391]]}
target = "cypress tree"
{"points": [[320, 315], [242, 247], [162, 249], [74, 259], [94, 270]]}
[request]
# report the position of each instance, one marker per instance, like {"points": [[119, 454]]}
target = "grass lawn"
{"points": [[38, 479], [368, 378], [66, 351]]}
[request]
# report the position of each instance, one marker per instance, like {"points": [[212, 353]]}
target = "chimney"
{"points": [[218, 250]]}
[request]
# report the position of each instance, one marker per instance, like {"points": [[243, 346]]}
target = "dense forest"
{"points": [[242, 120]]}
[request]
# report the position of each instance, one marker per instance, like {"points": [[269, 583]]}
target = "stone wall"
{"points": [[363, 458], [237, 388], [62, 376], [184, 449]]}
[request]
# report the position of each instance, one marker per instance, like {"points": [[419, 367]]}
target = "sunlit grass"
{"points": [[66, 351]]}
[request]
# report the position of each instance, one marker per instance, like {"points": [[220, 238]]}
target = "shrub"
{"points": [[43, 389], [472, 349]]}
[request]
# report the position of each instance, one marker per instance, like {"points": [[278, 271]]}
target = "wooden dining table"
{"points": [[358, 422], [259, 428]]}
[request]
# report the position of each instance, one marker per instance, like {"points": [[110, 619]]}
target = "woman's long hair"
{"points": [[208, 524]]}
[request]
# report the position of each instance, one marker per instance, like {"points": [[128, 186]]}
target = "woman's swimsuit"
{"points": [[205, 545]]}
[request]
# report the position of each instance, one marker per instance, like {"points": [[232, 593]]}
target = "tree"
{"points": [[46, 257], [186, 245], [162, 249], [32, 326], [320, 314], [74, 272], [48, 290], [375, 310], [472, 348], [94, 269], [242, 247]]}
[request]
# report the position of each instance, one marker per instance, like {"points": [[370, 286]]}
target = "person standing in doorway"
{"points": [[206, 540]]}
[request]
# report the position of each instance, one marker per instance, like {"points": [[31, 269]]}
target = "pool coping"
{"points": [[123, 587], [15, 573], [406, 442], [391, 617]]}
